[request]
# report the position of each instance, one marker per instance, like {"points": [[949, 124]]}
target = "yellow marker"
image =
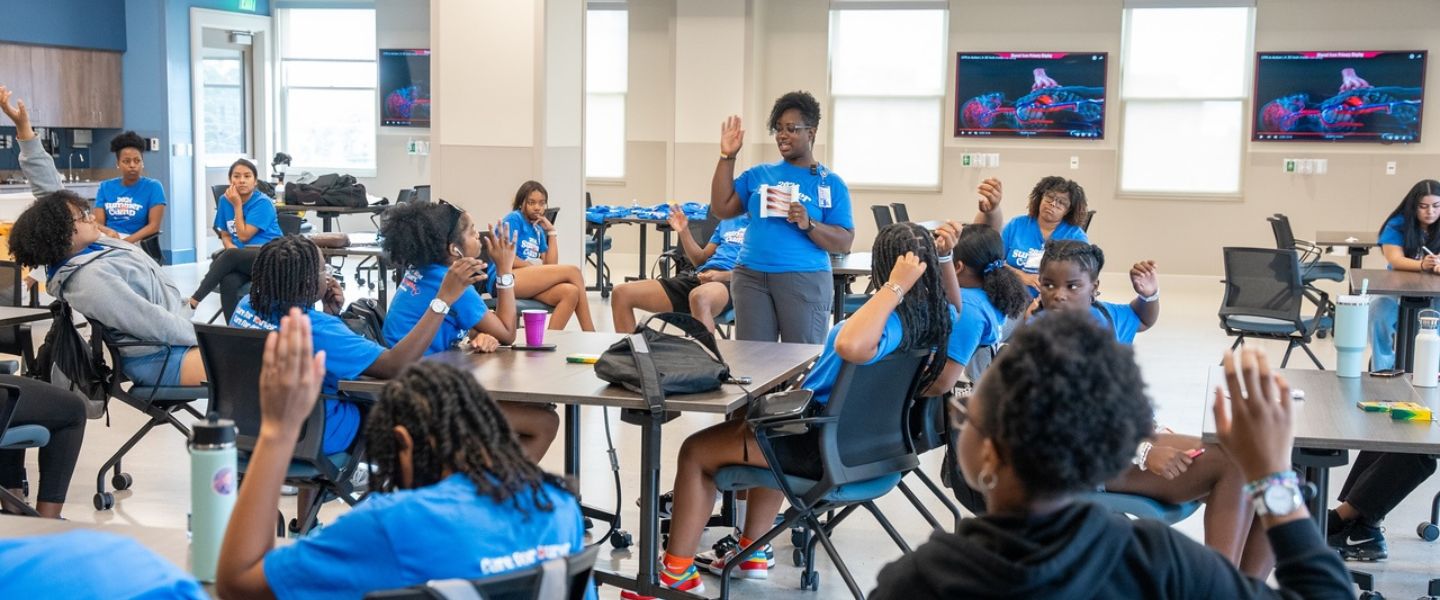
{"points": [[583, 359]]}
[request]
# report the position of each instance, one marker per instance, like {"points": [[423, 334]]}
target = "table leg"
{"points": [[1357, 257], [602, 284], [1405, 330], [665, 247], [641, 274], [838, 310], [572, 442]]}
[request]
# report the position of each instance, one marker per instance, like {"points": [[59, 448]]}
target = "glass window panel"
{"points": [[220, 71], [607, 51], [331, 128], [888, 141], [605, 135], [327, 33], [1182, 146], [1187, 53], [888, 52], [329, 74]]}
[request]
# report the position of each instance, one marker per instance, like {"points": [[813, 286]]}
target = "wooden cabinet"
{"points": [[66, 87]]}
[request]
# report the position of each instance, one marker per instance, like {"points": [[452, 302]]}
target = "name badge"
{"points": [[1032, 261], [824, 196]]}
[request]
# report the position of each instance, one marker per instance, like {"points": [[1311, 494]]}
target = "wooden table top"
{"points": [[1328, 418], [1387, 282], [854, 263], [17, 315], [1354, 239], [524, 376]]}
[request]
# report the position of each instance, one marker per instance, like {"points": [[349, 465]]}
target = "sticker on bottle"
{"points": [[224, 481]]}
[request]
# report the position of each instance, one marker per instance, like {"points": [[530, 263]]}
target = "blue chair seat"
{"points": [[744, 477], [727, 317], [1266, 325], [590, 244], [178, 393], [24, 436], [853, 302], [1323, 270], [1142, 507], [299, 470]]}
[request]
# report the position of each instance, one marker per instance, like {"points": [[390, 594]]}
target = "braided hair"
{"points": [[418, 234], [1416, 233], [288, 272], [455, 427], [1076, 214], [43, 233], [1088, 256], [924, 313], [981, 250]]}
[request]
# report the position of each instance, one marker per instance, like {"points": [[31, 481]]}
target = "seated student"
{"points": [[290, 272], [1410, 240], [1058, 413], [537, 274], [131, 206], [1069, 279], [990, 294], [1057, 211], [423, 240], [103, 278], [910, 311], [62, 413], [245, 220], [1375, 486], [454, 495], [84, 563], [704, 293]]}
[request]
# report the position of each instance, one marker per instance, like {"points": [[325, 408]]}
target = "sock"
{"points": [[745, 541], [740, 512], [677, 565]]}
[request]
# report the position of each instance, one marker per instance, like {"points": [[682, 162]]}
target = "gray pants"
{"points": [[793, 306]]}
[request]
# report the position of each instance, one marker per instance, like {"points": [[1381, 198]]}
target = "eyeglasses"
{"points": [[1056, 200], [789, 128], [455, 216], [85, 217]]}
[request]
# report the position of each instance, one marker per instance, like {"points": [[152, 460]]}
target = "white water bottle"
{"points": [[1427, 350]]}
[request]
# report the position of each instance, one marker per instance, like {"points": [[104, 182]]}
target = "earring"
{"points": [[988, 480]]}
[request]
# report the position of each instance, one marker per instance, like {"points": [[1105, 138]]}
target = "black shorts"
{"points": [[678, 289]]}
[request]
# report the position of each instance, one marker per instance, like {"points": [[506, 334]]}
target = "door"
{"points": [[226, 111]]}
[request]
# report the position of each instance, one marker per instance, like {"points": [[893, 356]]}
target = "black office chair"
{"points": [[233, 359], [929, 428], [1263, 294], [405, 196], [151, 245], [592, 241], [160, 403], [1312, 269], [902, 214], [882, 216], [19, 437], [422, 194], [1089, 216], [864, 448], [551, 214], [14, 340], [565, 578]]}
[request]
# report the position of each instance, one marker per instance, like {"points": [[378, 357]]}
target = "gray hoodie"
{"points": [[123, 288]]}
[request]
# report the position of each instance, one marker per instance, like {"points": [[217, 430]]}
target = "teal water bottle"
{"points": [[212, 491]]}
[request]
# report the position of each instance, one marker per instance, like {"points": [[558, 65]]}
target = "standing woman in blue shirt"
{"points": [[245, 220], [538, 274], [782, 286], [130, 207], [1056, 212], [1409, 239]]}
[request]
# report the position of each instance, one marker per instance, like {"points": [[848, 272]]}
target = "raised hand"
{"points": [[1145, 278], [501, 248], [677, 219], [17, 112], [907, 271], [732, 135], [463, 273], [990, 194], [1257, 427], [291, 376], [946, 237]]}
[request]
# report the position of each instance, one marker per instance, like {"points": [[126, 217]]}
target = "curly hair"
{"points": [[524, 192], [980, 247], [924, 313], [1065, 405], [42, 234], [287, 273], [456, 427], [1078, 207], [802, 101], [129, 139], [418, 234], [1088, 256]]}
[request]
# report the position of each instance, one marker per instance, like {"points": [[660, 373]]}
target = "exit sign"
{"points": [[247, 5]]}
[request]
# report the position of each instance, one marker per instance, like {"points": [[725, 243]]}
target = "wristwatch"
{"points": [[1142, 452], [810, 228], [440, 306], [1150, 298], [1277, 494], [505, 281]]}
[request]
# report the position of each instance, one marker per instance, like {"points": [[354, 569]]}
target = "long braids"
{"points": [[924, 313], [287, 273], [981, 250], [454, 426]]}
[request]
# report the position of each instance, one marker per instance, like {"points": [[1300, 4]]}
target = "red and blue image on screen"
{"points": [[405, 88], [1030, 94], [1360, 96]]}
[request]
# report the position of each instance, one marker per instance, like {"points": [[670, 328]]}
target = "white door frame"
{"points": [[262, 94]]}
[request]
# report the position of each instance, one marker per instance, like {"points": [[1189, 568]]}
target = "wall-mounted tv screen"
{"points": [[1030, 94], [405, 88], [1339, 96]]}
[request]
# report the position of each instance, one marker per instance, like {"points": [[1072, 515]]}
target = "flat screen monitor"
{"points": [[1351, 96], [1030, 94], [405, 87]]}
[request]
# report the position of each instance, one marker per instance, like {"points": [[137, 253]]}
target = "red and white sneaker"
{"points": [[689, 581], [755, 567]]}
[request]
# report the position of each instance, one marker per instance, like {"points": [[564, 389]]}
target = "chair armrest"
{"points": [[788, 404]]}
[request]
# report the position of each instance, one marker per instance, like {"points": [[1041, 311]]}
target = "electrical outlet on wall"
{"points": [[153, 143], [1390, 168], [1074, 162]]}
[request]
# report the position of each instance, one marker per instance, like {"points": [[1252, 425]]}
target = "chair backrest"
{"points": [[1089, 216], [1262, 282], [218, 191], [565, 578], [882, 215], [902, 214], [1284, 236], [233, 359], [11, 290], [702, 229], [552, 213], [405, 196], [290, 223], [588, 203], [422, 194], [871, 436]]}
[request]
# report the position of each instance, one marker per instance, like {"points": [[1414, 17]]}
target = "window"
{"points": [[1183, 90], [223, 79], [607, 51], [327, 88], [887, 88]]}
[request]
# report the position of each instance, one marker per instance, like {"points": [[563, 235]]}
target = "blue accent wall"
{"points": [[96, 24]]}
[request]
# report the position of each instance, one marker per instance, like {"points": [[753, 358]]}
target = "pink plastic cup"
{"points": [[534, 327]]}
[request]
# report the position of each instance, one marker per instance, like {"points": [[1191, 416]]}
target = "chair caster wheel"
{"points": [[1371, 595], [621, 540], [122, 481], [104, 501], [797, 556], [797, 537], [1428, 531], [1322, 334], [810, 581]]}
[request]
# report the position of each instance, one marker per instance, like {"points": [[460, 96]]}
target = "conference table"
{"points": [[328, 214], [597, 230], [844, 268], [1357, 244], [1416, 291], [545, 377], [11, 316]]}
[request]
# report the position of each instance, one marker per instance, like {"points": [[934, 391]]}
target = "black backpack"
{"points": [[665, 363], [365, 318], [66, 359]]}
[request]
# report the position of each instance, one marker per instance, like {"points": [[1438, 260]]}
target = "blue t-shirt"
{"points": [[259, 213], [978, 324], [412, 301], [1122, 319], [827, 367], [127, 208], [775, 245], [50, 270], [347, 355], [408, 537], [728, 238], [89, 564], [531, 243], [1024, 245]]}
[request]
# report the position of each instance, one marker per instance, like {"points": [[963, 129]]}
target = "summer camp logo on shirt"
{"points": [[123, 206], [411, 283], [735, 237]]}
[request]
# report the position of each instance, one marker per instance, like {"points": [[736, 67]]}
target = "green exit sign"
{"points": [[247, 5]]}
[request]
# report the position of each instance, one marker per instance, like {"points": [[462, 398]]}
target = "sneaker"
{"points": [[1360, 542], [731, 543], [689, 581], [1333, 523], [755, 567]]}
